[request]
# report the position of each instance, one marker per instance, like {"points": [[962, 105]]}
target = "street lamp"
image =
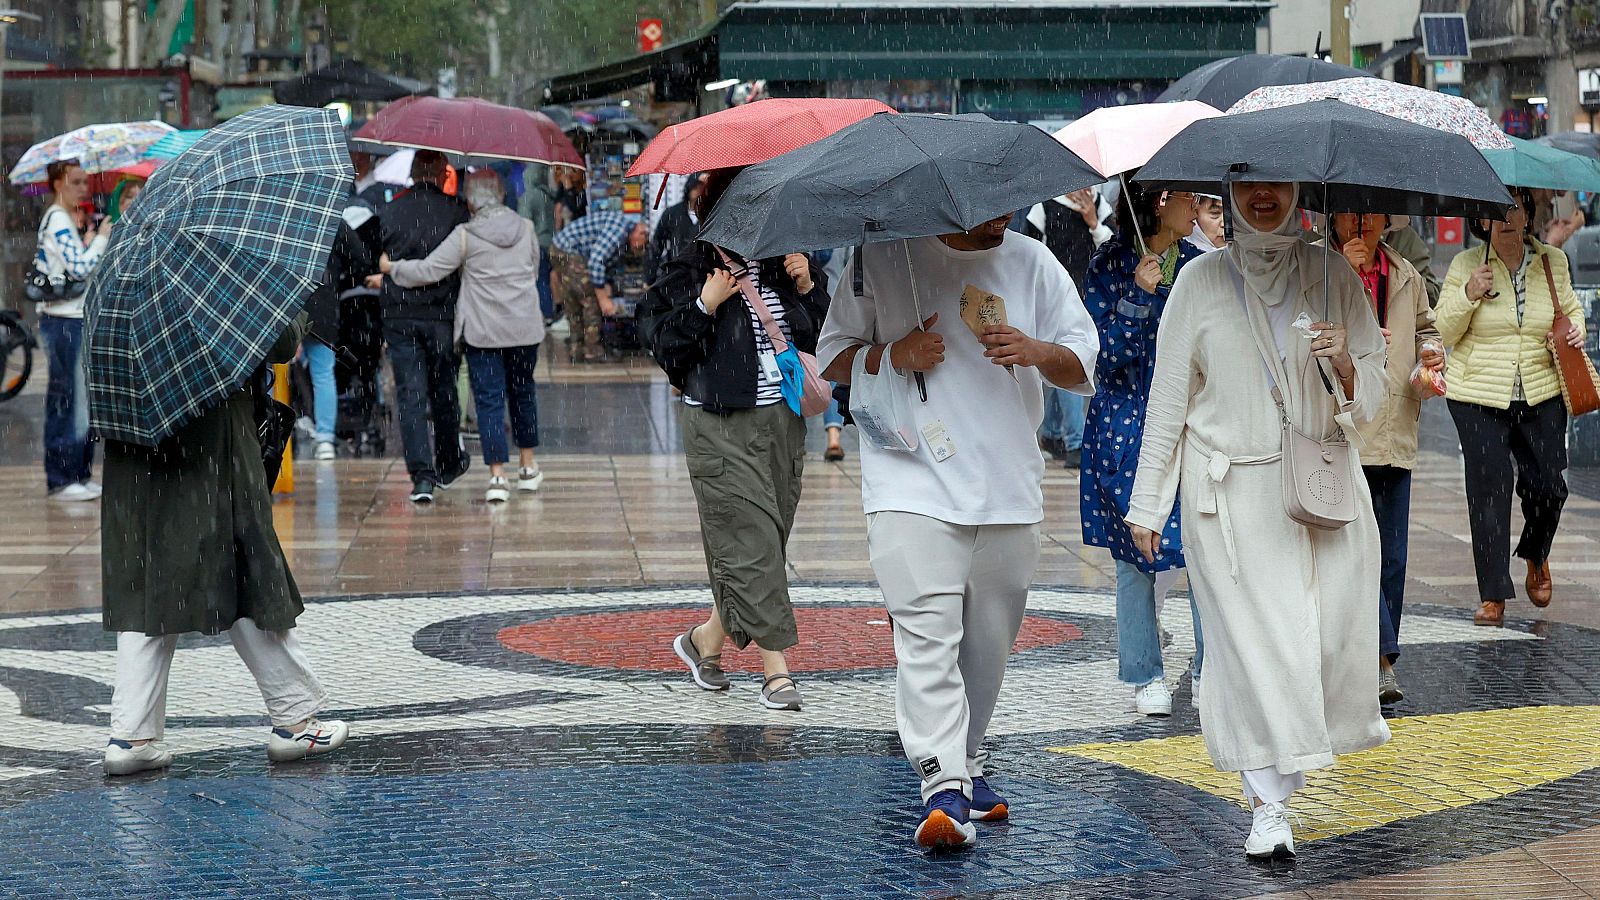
{"points": [[8, 18]]}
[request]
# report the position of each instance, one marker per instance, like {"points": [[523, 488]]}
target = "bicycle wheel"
{"points": [[16, 357]]}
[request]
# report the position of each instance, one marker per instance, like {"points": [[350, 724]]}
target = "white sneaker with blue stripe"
{"points": [[313, 739], [123, 758]]}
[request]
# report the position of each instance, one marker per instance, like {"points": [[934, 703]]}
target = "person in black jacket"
{"points": [[418, 326], [349, 263], [744, 446], [677, 228]]}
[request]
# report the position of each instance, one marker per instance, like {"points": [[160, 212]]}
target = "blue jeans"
{"points": [[833, 418], [1064, 416], [1391, 501], [1138, 631], [547, 299], [324, 387], [68, 453], [494, 374]]}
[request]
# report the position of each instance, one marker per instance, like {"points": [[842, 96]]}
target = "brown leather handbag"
{"points": [[1580, 385]]}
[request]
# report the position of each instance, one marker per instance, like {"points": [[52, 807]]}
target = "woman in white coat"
{"points": [[1293, 684]]}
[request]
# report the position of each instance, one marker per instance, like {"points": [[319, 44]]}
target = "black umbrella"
{"points": [[1582, 143], [1347, 158], [891, 177], [347, 80], [1226, 81]]}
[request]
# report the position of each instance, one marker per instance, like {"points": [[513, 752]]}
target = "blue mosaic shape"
{"points": [[803, 828]]}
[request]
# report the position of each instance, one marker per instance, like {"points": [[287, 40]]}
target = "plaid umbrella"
{"points": [[1420, 106], [210, 266], [98, 148]]}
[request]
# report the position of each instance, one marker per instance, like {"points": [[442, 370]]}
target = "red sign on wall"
{"points": [[651, 34]]}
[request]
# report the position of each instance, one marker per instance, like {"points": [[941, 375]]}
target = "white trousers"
{"points": [[1269, 785], [956, 594], [139, 699]]}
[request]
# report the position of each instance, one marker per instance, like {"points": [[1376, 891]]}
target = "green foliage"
{"points": [[410, 37], [562, 35]]}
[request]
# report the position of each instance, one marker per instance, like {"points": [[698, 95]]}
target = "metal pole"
{"points": [[1339, 31]]}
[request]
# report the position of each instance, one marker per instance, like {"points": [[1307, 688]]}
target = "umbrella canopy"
{"points": [[170, 146], [209, 267], [1225, 82], [1117, 139], [1356, 159], [749, 134], [1580, 142], [891, 177], [1456, 115], [471, 131], [348, 80], [97, 148], [1533, 165]]}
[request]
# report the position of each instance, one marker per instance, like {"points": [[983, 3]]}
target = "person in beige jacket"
{"points": [[1399, 299], [1495, 313]]}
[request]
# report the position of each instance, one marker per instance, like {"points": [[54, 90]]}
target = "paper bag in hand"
{"points": [[980, 309]]}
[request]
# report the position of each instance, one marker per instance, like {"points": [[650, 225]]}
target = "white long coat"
{"points": [[1290, 613]]}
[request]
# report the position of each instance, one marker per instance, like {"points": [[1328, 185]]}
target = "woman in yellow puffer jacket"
{"points": [[1495, 312]]}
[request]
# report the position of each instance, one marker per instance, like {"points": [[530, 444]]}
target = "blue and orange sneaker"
{"points": [[987, 806], [945, 824]]}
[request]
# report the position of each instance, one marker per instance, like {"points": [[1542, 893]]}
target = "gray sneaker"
{"points": [[779, 692], [1389, 688], [706, 670]]}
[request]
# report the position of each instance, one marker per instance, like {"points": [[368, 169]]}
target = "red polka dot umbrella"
{"points": [[471, 131], [749, 134]]}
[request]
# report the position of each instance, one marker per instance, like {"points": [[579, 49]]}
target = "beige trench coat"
{"points": [[1290, 613]]}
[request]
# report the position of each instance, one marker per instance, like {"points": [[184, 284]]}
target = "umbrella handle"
{"points": [[916, 304], [1133, 215]]}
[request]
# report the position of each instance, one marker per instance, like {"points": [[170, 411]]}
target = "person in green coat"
{"points": [[188, 545]]}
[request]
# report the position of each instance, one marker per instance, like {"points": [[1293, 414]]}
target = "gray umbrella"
{"points": [[891, 177]]}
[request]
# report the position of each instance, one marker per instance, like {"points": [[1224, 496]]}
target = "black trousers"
{"points": [[423, 356], [1535, 437]]}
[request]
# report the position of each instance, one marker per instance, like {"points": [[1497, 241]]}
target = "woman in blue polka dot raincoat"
{"points": [[1126, 296]]}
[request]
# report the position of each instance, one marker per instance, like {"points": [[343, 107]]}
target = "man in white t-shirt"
{"points": [[953, 526]]}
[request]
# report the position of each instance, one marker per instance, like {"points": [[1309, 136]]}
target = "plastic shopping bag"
{"points": [[881, 405], [1429, 383]]}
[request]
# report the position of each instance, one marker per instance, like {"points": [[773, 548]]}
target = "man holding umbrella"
{"points": [[953, 527]]}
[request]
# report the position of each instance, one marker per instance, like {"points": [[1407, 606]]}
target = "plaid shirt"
{"points": [[598, 237]]}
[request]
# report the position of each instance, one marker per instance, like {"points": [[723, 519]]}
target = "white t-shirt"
{"points": [[995, 475]]}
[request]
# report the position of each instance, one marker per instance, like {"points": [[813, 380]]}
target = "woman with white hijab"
{"points": [[1288, 611]]}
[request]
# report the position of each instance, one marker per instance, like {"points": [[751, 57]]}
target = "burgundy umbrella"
{"points": [[471, 130]]}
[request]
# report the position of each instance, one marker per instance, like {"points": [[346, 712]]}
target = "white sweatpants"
{"points": [[1269, 785], [139, 699], [956, 594]]}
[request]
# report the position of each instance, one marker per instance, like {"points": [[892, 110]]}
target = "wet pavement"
{"points": [[522, 729]]}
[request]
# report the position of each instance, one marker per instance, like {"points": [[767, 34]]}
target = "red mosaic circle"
{"points": [[832, 638]]}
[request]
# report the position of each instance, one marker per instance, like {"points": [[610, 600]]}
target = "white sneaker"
{"points": [[559, 328], [94, 488], [123, 758], [73, 493], [1270, 835], [529, 479], [1153, 699], [325, 450], [315, 739], [499, 490]]}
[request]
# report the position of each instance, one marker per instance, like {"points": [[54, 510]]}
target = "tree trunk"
{"points": [[159, 29]]}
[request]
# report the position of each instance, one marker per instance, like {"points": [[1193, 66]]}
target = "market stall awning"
{"points": [[677, 71], [348, 80]]}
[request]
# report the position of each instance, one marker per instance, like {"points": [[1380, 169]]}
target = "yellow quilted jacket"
{"points": [[1488, 348]]}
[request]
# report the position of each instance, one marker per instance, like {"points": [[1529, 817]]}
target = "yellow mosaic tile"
{"points": [[1433, 763]]}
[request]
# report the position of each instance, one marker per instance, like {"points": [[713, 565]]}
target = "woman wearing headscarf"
{"points": [[1127, 294], [1290, 626], [1496, 312], [1399, 297], [123, 195], [744, 446]]}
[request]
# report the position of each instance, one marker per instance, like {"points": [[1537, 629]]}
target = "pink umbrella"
{"points": [[472, 130], [1118, 139]]}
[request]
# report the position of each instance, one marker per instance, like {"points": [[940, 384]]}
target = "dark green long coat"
{"points": [[186, 538]]}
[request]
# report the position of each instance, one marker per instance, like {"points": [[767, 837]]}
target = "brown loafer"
{"points": [[1540, 587], [1491, 612]]}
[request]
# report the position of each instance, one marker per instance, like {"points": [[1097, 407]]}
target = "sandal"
{"points": [[780, 692]]}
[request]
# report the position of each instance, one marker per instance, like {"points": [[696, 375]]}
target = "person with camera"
{"points": [[69, 249]]}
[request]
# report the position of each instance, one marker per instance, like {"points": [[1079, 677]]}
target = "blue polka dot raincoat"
{"points": [[1127, 318]]}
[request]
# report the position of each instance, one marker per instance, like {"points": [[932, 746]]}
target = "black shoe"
{"points": [[422, 491], [448, 478], [1072, 460], [1056, 447]]}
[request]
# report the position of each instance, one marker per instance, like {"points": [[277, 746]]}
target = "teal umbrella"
{"points": [[1532, 165], [173, 144]]}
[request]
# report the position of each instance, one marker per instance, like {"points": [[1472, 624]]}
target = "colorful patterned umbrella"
{"points": [[98, 148], [1420, 106], [210, 266], [173, 144]]}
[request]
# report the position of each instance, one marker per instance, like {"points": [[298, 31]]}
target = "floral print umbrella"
{"points": [[98, 148], [1420, 106]]}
